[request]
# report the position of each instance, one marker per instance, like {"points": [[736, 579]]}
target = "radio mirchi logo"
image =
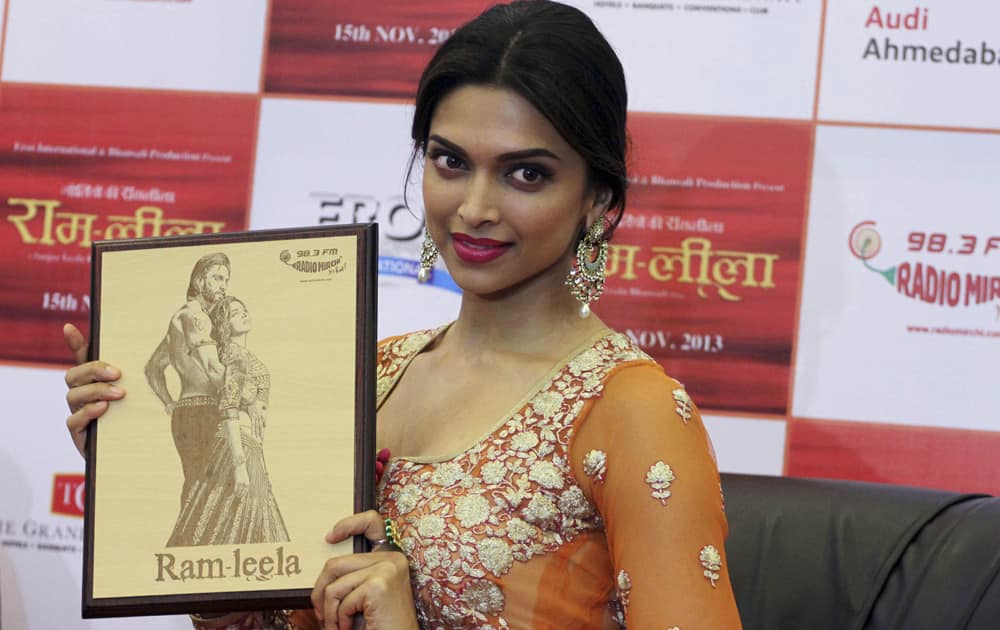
{"points": [[325, 261], [934, 282]]}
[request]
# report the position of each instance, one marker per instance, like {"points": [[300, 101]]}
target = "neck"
{"points": [[538, 317]]}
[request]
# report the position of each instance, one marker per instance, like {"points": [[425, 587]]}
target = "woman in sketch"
{"points": [[233, 502]]}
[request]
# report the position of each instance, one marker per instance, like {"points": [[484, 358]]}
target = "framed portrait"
{"points": [[247, 428]]}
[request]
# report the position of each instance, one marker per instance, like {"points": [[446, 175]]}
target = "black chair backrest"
{"points": [[817, 554]]}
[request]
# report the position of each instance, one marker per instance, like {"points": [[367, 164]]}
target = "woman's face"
{"points": [[239, 319], [505, 194]]}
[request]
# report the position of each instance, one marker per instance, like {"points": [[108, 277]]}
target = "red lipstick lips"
{"points": [[478, 250]]}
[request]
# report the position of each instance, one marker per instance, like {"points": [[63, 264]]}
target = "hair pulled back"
{"points": [[222, 332], [554, 57], [201, 268]]}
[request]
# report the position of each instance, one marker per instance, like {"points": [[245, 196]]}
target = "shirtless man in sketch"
{"points": [[188, 348]]}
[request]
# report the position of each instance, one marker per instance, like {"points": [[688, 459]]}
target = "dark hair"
{"points": [[201, 268], [553, 56], [219, 314]]}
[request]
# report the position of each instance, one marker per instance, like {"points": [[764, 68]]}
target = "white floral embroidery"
{"points": [[484, 596], [430, 526], [471, 510], [524, 441], [574, 504], [548, 403], [540, 510], [712, 561], [493, 472], [447, 474], [595, 465], [546, 474], [519, 531], [413, 343], [586, 362], [407, 498], [684, 405], [659, 478], [496, 556]]}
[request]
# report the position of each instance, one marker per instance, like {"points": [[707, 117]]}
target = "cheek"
{"points": [[441, 197]]}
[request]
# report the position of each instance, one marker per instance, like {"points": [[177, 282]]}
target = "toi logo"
{"points": [[68, 492]]}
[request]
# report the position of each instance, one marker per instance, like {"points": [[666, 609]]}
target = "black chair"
{"points": [[811, 554]]}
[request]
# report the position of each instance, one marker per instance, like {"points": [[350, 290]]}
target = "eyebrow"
{"points": [[503, 157]]}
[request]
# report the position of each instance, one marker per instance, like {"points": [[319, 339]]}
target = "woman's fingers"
{"points": [[78, 422], [75, 342], [91, 372], [369, 524], [80, 395], [348, 585], [334, 615], [89, 391]]}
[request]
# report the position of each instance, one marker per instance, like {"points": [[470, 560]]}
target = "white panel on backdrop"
{"points": [[727, 57], [41, 527], [343, 162], [900, 317], [927, 63], [3, 15], [194, 45], [747, 445]]}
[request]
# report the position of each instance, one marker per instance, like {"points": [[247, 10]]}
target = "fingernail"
{"points": [[110, 372], [116, 391]]}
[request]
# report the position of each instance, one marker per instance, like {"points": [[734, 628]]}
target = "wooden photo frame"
{"points": [[247, 428]]}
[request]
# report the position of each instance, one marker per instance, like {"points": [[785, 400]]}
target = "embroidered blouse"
{"points": [[596, 504]]}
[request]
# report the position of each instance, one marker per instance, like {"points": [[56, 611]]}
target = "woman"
{"points": [[231, 502], [552, 476]]}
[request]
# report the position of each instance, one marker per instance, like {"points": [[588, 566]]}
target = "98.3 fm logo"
{"points": [[68, 494], [953, 270]]}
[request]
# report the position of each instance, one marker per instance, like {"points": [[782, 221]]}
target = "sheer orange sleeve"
{"points": [[644, 458]]}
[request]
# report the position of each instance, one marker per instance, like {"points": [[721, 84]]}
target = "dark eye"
{"points": [[447, 161], [528, 175]]}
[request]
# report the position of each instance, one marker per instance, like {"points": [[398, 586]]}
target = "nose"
{"points": [[480, 204]]}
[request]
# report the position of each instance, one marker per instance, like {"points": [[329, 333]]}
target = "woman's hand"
{"points": [[257, 413], [376, 584], [241, 479], [91, 387]]}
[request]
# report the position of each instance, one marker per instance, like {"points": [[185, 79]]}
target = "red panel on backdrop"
{"points": [[353, 48], [704, 271], [80, 165], [68, 492], [928, 457]]}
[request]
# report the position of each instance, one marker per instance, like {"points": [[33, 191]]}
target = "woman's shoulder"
{"points": [[630, 374], [408, 342], [397, 350], [611, 353]]}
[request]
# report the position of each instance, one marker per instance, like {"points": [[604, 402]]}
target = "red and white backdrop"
{"points": [[812, 243]]}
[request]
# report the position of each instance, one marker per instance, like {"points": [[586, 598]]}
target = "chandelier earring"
{"points": [[586, 277], [428, 256]]}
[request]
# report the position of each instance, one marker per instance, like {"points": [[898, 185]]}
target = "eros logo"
{"points": [[68, 492]]}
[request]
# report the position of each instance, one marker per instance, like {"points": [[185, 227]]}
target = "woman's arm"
{"points": [[644, 458], [233, 380]]}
